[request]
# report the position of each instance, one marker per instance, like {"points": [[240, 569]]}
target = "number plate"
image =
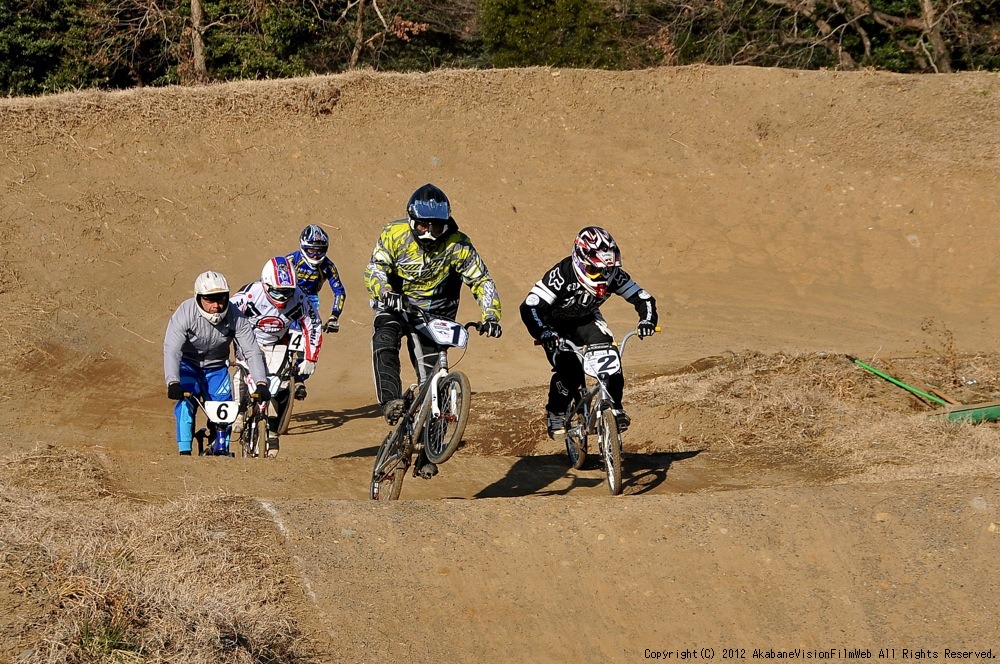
{"points": [[222, 412], [445, 332], [296, 342], [601, 362]]}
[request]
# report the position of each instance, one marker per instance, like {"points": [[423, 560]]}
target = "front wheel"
{"points": [[286, 414], [443, 433], [254, 434], [391, 465], [611, 449]]}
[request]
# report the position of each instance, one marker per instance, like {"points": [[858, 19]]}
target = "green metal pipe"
{"points": [[894, 381]]}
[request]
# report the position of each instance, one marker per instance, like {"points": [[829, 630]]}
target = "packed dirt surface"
{"points": [[776, 495]]}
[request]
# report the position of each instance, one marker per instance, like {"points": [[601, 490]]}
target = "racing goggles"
{"points": [[217, 298], [597, 272], [280, 294], [314, 253], [429, 229]]}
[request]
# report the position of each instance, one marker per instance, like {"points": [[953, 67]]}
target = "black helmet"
{"points": [[314, 243], [429, 208]]}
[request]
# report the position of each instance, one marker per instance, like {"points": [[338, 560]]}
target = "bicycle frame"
{"points": [[599, 386]]}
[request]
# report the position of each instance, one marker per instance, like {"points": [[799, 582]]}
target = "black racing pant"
{"points": [[567, 370], [389, 329]]}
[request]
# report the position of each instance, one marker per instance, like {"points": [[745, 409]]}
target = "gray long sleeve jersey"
{"points": [[190, 335]]}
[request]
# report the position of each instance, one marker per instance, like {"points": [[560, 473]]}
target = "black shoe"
{"points": [[622, 418], [393, 410], [300, 392], [185, 453], [272, 447], [555, 426], [428, 470]]}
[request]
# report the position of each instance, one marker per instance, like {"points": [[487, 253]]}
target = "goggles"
{"points": [[280, 294], [217, 298], [314, 253], [595, 272]]}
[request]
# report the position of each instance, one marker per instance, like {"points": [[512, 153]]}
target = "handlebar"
{"points": [[409, 311], [566, 343]]}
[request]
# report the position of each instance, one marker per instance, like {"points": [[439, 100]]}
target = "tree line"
{"points": [[58, 45]]}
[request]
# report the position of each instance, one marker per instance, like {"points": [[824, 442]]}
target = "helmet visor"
{"points": [[280, 294], [314, 253]]}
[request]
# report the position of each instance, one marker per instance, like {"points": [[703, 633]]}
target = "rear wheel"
{"points": [[611, 449], [442, 434], [391, 464], [576, 435]]}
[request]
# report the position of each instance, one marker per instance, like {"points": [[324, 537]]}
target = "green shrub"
{"points": [[558, 33]]}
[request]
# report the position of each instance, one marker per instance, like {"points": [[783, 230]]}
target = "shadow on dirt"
{"points": [[314, 421], [532, 475]]}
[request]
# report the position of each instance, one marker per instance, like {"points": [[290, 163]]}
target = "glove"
{"points": [[550, 340], [491, 328], [307, 368], [392, 301], [332, 325], [263, 394], [645, 329], [175, 391]]}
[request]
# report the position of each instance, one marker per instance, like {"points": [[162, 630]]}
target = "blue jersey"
{"points": [[310, 279]]}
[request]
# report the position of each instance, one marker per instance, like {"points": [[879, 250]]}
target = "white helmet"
{"points": [[213, 285], [278, 278]]}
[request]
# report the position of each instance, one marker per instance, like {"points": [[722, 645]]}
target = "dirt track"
{"points": [[767, 210]]}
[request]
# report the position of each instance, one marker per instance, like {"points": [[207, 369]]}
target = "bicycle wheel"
{"points": [[253, 435], [286, 415], [442, 435], [576, 434], [611, 449], [391, 464]]}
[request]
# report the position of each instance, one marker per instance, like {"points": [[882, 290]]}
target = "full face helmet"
{"points": [[278, 279], [429, 212], [213, 287], [596, 259], [314, 243]]}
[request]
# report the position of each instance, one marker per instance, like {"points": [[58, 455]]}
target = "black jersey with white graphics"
{"points": [[559, 300]]}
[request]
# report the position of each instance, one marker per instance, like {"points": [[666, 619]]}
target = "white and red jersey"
{"points": [[271, 323]]}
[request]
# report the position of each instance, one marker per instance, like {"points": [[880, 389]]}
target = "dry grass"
{"points": [[821, 410], [195, 580]]}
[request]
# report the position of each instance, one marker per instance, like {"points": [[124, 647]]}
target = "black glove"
{"points": [[490, 327], [332, 325], [175, 391], [550, 340], [263, 394], [645, 329], [392, 301]]}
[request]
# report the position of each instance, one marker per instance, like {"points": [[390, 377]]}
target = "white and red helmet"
{"points": [[278, 279], [596, 259]]}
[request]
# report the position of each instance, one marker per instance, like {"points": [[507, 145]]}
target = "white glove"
{"points": [[307, 368]]}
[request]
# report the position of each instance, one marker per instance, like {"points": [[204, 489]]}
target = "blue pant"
{"points": [[211, 384]]}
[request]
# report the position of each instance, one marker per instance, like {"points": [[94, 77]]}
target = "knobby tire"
{"points": [[442, 436], [388, 474], [611, 449]]}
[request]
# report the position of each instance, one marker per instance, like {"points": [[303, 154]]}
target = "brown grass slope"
{"points": [[781, 218]]}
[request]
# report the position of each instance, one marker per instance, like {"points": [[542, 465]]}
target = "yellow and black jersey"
{"points": [[431, 279]]}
